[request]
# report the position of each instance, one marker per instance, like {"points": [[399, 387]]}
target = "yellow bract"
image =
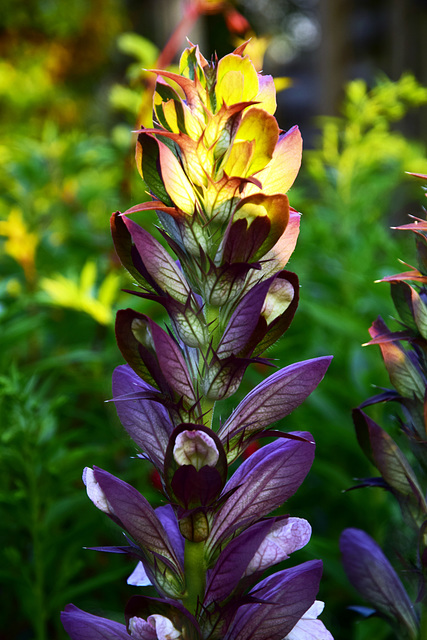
{"points": [[229, 159], [279, 175], [237, 80], [278, 299], [260, 129], [177, 184], [275, 207]]}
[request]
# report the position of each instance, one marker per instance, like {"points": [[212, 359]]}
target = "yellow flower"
{"points": [[21, 244]]}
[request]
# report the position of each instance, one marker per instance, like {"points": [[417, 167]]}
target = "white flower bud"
{"points": [[277, 300], [140, 629], [195, 448], [164, 627], [94, 491]]}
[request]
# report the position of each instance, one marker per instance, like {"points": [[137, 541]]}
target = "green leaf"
{"points": [[401, 294], [393, 465], [148, 162]]}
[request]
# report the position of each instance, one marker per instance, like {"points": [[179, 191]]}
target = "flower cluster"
{"points": [[403, 474], [218, 167]]}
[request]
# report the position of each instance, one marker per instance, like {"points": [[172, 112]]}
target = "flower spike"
{"points": [[218, 168]]}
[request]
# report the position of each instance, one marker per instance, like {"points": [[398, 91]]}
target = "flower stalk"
{"points": [[195, 574], [218, 168]]}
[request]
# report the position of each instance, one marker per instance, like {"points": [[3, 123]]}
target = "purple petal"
{"points": [[234, 560], [289, 593], [261, 484], [147, 422], [242, 240], [84, 626], [171, 361], [138, 518], [243, 321], [167, 517], [372, 575], [276, 397], [157, 261]]}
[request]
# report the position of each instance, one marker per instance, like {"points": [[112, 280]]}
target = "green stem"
{"points": [[195, 574], [423, 622], [212, 321]]}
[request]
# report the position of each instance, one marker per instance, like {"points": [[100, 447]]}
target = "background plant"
{"points": [[402, 466]]}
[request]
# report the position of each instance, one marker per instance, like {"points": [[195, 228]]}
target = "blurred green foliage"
{"points": [[67, 164], [65, 168]]}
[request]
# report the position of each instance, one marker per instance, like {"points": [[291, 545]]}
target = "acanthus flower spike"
{"points": [[217, 167]]}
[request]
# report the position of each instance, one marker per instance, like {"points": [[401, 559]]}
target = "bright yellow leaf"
{"points": [[237, 80], [259, 127], [177, 184], [280, 173]]}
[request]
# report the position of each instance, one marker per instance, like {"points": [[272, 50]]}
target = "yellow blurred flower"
{"points": [[81, 294], [21, 244]]}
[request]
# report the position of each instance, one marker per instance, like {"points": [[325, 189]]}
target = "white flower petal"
{"points": [[315, 610], [196, 448], [164, 627], [138, 577], [95, 492], [284, 538], [308, 628]]}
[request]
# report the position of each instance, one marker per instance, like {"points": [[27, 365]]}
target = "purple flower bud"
{"points": [[84, 626], [373, 576]]}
